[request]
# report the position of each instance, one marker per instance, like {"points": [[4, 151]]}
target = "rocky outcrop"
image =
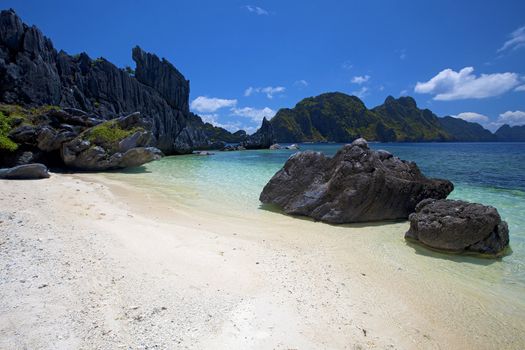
{"points": [[458, 226], [33, 73], [25, 172], [120, 143], [262, 138], [356, 185]]}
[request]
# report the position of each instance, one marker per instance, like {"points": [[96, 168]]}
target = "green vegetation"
{"points": [[129, 70], [109, 134], [6, 144], [337, 117]]}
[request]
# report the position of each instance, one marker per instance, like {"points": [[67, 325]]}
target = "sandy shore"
{"points": [[88, 263]]}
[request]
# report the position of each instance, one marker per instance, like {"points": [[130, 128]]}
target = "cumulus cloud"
{"points": [[203, 104], [512, 118], [520, 88], [360, 79], [231, 126], [254, 114], [270, 91], [516, 40], [472, 117], [361, 93], [257, 10], [451, 85]]}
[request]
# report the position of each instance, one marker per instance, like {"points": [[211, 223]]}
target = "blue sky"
{"points": [[246, 59]]}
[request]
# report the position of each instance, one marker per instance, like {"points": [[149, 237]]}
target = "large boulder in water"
{"points": [[356, 185], [458, 226]]}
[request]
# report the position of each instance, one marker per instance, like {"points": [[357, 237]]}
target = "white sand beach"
{"points": [[88, 262]]}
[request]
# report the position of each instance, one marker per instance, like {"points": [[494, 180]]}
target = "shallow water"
{"points": [[229, 184]]}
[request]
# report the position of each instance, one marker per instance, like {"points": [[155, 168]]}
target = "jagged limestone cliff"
{"points": [[33, 73]]}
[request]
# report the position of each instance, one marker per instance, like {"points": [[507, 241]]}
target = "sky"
{"points": [[248, 59]]}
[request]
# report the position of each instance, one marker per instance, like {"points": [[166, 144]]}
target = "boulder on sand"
{"points": [[115, 144], [356, 185], [458, 226], [26, 171]]}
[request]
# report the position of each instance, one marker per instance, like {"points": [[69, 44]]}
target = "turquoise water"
{"points": [[488, 173]]}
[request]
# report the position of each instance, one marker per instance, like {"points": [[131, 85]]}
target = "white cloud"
{"points": [[257, 10], [403, 92], [520, 88], [360, 79], [512, 118], [249, 91], [361, 93], [270, 91], [450, 85], [230, 126], [301, 83], [254, 114], [516, 41], [203, 104], [472, 117], [402, 54]]}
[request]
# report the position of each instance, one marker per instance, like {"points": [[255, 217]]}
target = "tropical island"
{"points": [[333, 225]]}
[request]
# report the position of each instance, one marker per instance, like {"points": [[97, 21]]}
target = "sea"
{"points": [[229, 183]]}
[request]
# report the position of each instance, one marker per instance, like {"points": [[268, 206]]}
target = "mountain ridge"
{"points": [[339, 117]]}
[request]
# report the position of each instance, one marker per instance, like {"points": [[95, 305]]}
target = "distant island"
{"points": [[338, 117]]}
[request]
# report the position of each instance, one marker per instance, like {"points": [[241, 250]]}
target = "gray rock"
{"points": [[356, 185], [458, 226], [25, 172], [276, 146], [262, 138], [33, 73], [88, 152]]}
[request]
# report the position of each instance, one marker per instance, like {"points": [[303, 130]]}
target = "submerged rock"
{"points": [[356, 185], [26, 171], [458, 226]]}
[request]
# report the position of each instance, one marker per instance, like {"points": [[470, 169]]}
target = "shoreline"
{"points": [[117, 266]]}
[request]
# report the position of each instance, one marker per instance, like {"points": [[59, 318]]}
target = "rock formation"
{"points": [[25, 172], [73, 138], [262, 138], [356, 185], [115, 144], [458, 226], [33, 73]]}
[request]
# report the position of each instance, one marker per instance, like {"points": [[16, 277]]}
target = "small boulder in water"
{"points": [[458, 226]]}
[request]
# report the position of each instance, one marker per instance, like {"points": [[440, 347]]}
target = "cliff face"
{"points": [[339, 117], [33, 73]]}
